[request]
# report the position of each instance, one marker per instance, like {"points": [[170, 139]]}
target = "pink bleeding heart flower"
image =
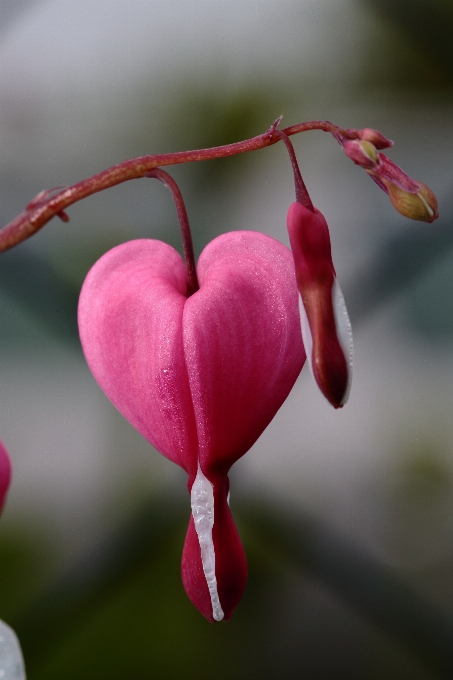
{"points": [[5, 474], [199, 377]]}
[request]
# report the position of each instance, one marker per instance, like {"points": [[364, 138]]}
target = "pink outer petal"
{"points": [[231, 563], [239, 337], [130, 322], [242, 343], [5, 474], [315, 273]]}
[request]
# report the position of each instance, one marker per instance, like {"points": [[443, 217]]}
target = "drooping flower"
{"points": [[200, 377], [326, 329]]}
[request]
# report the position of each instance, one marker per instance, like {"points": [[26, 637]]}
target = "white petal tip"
{"points": [[11, 660]]}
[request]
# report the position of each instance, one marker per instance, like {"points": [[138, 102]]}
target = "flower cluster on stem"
{"points": [[200, 356]]}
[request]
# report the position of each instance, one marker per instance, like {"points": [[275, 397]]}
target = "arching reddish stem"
{"points": [[302, 195]]}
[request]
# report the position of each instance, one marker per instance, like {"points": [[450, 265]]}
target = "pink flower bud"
{"points": [[325, 323], [410, 197]]}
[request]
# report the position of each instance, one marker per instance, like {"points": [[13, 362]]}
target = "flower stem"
{"points": [[43, 208], [302, 195], [189, 258]]}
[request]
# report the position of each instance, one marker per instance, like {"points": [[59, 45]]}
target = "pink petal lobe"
{"points": [[230, 560], [130, 321], [5, 474], [242, 343]]}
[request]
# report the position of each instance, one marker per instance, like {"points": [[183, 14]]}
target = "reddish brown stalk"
{"points": [[189, 257], [42, 211], [302, 195]]}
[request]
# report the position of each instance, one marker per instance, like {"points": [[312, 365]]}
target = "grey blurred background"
{"points": [[347, 516]]}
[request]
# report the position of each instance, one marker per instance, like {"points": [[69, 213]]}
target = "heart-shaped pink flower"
{"points": [[200, 377]]}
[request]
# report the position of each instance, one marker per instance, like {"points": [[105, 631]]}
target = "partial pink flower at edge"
{"points": [[5, 474]]}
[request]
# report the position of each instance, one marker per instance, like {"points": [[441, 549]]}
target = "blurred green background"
{"points": [[346, 517]]}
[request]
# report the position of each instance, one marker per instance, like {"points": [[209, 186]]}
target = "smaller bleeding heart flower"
{"points": [[326, 329]]}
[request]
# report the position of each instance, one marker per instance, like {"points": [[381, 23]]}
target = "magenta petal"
{"points": [[130, 322], [5, 473], [329, 360], [242, 343]]}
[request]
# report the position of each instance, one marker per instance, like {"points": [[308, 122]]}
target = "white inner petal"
{"points": [[202, 503], [306, 335], [344, 333], [11, 661]]}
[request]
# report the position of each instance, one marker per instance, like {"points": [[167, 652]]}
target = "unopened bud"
{"points": [[409, 196], [417, 206], [361, 153], [376, 138]]}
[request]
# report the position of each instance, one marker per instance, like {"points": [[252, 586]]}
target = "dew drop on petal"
{"points": [[11, 660]]}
